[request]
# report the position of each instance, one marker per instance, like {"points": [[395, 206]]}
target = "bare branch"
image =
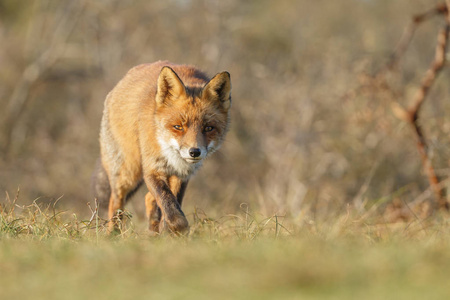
{"points": [[421, 94], [378, 81]]}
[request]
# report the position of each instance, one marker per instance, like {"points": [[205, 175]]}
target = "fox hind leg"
{"points": [[153, 212], [178, 188], [115, 211], [120, 190]]}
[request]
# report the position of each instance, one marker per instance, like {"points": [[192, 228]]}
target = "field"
{"points": [[46, 254], [319, 191]]}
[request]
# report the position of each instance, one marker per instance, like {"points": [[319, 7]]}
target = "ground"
{"points": [[51, 255]]}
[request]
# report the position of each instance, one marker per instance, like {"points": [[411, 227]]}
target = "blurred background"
{"points": [[298, 144]]}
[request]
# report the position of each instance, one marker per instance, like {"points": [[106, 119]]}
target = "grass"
{"points": [[49, 254]]}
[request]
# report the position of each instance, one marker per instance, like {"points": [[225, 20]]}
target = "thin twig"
{"points": [[409, 31]]}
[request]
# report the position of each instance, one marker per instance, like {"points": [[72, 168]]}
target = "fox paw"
{"points": [[178, 225], [154, 227]]}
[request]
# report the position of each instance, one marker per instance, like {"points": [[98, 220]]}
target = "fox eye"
{"points": [[208, 128], [178, 127]]}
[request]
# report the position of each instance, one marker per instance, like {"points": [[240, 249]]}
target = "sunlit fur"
{"points": [[151, 120]]}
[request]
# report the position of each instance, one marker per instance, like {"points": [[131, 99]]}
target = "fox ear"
{"points": [[169, 86], [219, 89]]}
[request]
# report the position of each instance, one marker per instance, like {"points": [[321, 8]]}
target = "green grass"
{"points": [[45, 254]]}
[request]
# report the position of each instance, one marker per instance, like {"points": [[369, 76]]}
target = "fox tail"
{"points": [[100, 187]]}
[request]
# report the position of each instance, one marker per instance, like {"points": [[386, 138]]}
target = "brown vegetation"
{"points": [[412, 114], [296, 145]]}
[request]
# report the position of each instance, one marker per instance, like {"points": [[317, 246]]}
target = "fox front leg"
{"points": [[172, 219]]}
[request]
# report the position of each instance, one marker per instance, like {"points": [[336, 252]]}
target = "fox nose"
{"points": [[194, 152]]}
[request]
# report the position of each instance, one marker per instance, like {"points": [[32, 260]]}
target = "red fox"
{"points": [[159, 124]]}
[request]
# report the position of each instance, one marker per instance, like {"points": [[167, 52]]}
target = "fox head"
{"points": [[191, 121]]}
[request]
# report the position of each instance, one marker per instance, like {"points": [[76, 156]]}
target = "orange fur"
{"points": [[159, 123]]}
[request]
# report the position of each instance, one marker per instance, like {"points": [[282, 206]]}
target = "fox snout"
{"points": [[193, 154]]}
